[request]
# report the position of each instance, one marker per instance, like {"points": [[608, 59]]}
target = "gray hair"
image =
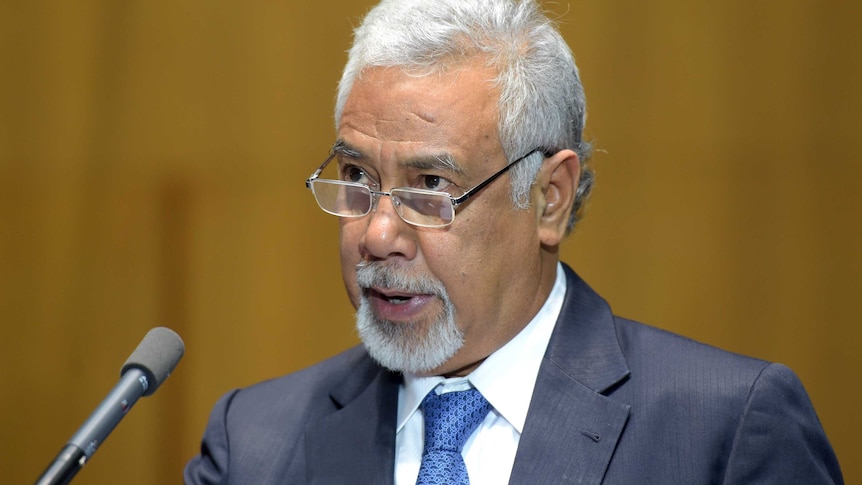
{"points": [[542, 103]]}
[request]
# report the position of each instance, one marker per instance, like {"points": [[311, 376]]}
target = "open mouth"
{"points": [[397, 305], [394, 298]]}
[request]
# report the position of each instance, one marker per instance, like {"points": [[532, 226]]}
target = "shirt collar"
{"points": [[507, 377]]}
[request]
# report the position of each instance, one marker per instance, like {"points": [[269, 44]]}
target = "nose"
{"points": [[387, 235]]}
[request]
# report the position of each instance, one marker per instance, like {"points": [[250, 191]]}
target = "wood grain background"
{"points": [[152, 159]]}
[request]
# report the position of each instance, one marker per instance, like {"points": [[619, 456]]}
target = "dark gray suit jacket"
{"points": [[616, 402]]}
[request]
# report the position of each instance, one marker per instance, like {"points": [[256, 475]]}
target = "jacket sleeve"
{"points": [[210, 466], [779, 439]]}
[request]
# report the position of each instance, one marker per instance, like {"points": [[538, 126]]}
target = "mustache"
{"points": [[380, 275]]}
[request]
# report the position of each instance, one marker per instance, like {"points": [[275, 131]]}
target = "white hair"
{"points": [[542, 103]]}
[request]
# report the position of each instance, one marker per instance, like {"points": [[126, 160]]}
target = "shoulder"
{"points": [[277, 408], [645, 345], [753, 419], [305, 390], [253, 431], [669, 369]]}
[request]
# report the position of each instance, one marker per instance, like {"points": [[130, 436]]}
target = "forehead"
{"points": [[390, 112]]}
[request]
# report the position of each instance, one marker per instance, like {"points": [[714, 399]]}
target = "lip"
{"points": [[387, 309]]}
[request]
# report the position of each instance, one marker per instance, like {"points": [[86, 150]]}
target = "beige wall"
{"points": [[152, 158]]}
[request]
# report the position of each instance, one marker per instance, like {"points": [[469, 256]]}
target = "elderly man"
{"points": [[458, 169]]}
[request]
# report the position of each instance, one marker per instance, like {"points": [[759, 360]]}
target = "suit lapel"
{"points": [[356, 444], [572, 429]]}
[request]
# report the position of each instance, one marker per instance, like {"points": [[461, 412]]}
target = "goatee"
{"points": [[411, 347]]}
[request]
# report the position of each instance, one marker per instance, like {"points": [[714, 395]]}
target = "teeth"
{"points": [[398, 300]]}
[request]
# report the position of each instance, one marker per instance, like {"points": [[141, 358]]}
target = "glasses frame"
{"points": [[376, 194]]}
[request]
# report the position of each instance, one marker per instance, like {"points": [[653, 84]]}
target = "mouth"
{"points": [[394, 297], [397, 306]]}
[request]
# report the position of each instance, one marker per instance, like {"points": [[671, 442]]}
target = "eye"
{"points": [[433, 182], [352, 173]]}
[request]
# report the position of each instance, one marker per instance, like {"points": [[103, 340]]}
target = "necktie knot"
{"points": [[450, 419]]}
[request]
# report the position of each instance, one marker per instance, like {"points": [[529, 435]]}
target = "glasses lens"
{"points": [[429, 209], [342, 198]]}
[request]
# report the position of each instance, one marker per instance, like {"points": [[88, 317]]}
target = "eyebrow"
{"points": [[439, 161], [343, 148]]}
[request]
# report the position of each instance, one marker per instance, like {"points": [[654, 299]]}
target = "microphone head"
{"points": [[157, 355]]}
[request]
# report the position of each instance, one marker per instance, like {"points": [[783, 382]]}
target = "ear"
{"points": [[554, 195]]}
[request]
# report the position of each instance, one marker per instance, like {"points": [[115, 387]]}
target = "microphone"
{"points": [[142, 373]]}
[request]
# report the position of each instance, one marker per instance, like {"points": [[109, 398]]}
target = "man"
{"points": [[458, 169]]}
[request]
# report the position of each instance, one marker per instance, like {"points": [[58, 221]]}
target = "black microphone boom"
{"points": [[144, 371]]}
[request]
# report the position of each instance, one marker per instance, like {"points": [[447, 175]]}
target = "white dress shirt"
{"points": [[506, 379]]}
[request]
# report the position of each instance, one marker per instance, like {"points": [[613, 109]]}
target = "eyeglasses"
{"points": [[419, 207]]}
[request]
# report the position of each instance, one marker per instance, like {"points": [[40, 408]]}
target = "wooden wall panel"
{"points": [[152, 159]]}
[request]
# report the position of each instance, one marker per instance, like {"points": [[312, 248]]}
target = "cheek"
{"points": [[486, 255], [349, 251], [459, 262]]}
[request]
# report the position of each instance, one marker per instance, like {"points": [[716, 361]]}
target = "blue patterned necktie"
{"points": [[450, 419]]}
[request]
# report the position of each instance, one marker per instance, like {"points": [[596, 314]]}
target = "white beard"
{"points": [[406, 347]]}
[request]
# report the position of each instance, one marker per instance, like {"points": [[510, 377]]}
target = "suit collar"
{"points": [[572, 429], [585, 344]]}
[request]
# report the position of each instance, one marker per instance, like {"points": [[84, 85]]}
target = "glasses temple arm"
{"points": [[319, 170], [463, 198]]}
